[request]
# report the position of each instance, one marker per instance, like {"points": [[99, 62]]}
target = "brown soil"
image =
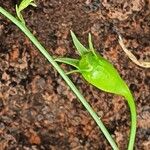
{"points": [[37, 109]]}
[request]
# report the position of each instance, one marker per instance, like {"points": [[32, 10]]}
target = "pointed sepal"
{"points": [[90, 42], [73, 71], [69, 61], [91, 47], [81, 49]]}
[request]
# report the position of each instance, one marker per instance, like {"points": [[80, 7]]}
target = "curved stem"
{"points": [[132, 107], [63, 75]]}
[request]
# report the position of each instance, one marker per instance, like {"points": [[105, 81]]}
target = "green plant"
{"points": [[100, 73], [26, 31], [24, 4]]}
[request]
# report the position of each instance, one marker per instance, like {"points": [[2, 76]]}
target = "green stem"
{"points": [[63, 75], [132, 107]]}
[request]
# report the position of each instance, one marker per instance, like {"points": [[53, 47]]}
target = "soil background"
{"points": [[38, 111]]}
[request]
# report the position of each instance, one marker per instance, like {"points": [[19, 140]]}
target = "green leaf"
{"points": [[33, 4], [24, 4], [81, 49], [19, 15]]}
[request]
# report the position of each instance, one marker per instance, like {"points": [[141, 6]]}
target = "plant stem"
{"points": [[63, 75], [132, 107]]}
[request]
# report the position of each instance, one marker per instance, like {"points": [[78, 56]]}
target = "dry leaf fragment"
{"points": [[140, 63]]}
